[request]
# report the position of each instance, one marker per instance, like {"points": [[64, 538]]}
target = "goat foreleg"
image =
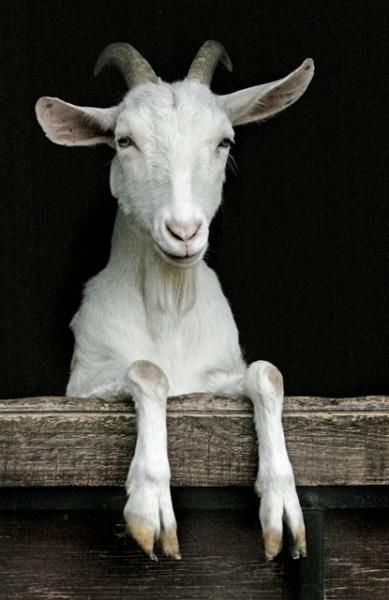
{"points": [[149, 511], [275, 481]]}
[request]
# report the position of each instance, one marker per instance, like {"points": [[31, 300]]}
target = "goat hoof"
{"points": [[272, 540], [169, 543], [299, 549], [143, 534], [153, 557], [150, 519], [279, 502]]}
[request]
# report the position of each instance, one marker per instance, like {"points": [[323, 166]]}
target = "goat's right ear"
{"points": [[71, 125]]}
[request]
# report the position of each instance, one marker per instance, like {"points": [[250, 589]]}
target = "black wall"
{"points": [[299, 243]]}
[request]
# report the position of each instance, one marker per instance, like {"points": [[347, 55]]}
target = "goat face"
{"points": [[172, 144], [171, 140]]}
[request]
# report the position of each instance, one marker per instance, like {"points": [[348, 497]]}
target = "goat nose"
{"points": [[183, 231]]}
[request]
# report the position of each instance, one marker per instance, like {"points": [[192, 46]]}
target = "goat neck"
{"points": [[164, 288]]}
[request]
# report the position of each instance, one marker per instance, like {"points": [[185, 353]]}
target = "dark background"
{"points": [[299, 243]]}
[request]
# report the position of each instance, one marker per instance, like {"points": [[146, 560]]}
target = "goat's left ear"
{"points": [[263, 101], [71, 125]]}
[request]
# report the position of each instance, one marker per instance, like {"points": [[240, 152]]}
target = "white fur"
{"points": [[157, 300]]}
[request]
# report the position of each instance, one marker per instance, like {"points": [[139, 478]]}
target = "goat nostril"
{"points": [[184, 232], [174, 233], [197, 227]]}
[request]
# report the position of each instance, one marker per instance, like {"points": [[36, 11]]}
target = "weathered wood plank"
{"points": [[356, 548], [196, 402], [55, 441], [77, 556]]}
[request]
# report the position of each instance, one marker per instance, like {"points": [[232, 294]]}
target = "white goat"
{"points": [[155, 321]]}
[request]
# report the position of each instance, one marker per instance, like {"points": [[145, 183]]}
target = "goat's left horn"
{"points": [[206, 61], [131, 64]]}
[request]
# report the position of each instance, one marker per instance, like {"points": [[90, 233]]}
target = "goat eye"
{"points": [[225, 143], [125, 141]]}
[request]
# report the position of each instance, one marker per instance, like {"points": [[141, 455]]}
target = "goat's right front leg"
{"points": [[149, 511]]}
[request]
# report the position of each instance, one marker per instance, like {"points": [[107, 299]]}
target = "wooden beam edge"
{"points": [[56, 441], [197, 403]]}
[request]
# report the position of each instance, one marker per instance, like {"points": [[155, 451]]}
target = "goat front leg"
{"points": [[149, 511], [275, 481]]}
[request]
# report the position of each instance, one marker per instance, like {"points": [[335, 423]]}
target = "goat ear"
{"points": [[70, 125], [263, 101]]}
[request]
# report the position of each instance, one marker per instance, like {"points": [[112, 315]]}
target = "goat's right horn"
{"points": [[131, 64], [206, 60]]}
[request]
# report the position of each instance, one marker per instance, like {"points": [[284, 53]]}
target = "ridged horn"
{"points": [[206, 61], [134, 68]]}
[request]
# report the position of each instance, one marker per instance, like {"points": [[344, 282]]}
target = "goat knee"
{"points": [[146, 377], [263, 378]]}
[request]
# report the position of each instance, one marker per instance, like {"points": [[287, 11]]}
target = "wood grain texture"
{"points": [[77, 556], [55, 441], [357, 549]]}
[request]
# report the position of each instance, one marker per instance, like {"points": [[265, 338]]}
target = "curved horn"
{"points": [[206, 60], [134, 68]]}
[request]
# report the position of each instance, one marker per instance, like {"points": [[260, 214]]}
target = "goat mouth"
{"points": [[187, 260]]}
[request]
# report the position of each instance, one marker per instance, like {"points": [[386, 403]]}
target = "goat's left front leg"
{"points": [[275, 481]]}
